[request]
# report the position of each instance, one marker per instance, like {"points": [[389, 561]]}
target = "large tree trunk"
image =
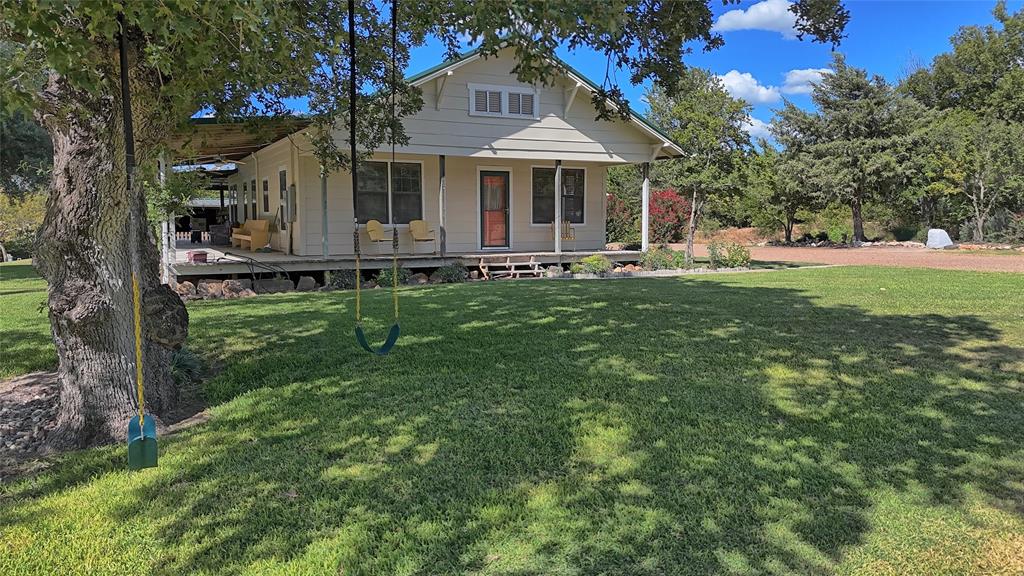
{"points": [[858, 221], [83, 253], [790, 222]]}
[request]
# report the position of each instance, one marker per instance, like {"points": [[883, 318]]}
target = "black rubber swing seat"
{"points": [[388, 344]]}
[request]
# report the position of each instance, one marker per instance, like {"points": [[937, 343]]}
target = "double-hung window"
{"points": [[506, 101], [390, 192], [266, 196], [573, 187]]}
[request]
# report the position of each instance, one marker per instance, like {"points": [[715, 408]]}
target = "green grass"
{"points": [[25, 343], [818, 421]]}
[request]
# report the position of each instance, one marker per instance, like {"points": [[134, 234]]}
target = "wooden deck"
{"points": [[223, 260]]}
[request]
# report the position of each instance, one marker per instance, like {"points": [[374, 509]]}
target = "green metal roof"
{"points": [[590, 84]]}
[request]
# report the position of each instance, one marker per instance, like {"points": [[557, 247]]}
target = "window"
{"points": [[521, 104], [573, 184], [390, 193], [252, 197], [487, 101], [266, 195], [507, 101], [245, 201], [282, 183]]}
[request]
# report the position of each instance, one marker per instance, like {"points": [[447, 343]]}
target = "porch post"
{"points": [[440, 204], [323, 209], [167, 234], [645, 199], [557, 224]]}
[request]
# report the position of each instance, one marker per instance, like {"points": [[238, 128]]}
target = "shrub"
{"points": [[187, 369], [623, 224], [576, 268], [728, 255], [596, 264], [452, 273], [670, 213], [385, 279], [905, 233], [658, 258], [342, 280]]}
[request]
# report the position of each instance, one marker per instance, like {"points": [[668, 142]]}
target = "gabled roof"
{"points": [[643, 123]]}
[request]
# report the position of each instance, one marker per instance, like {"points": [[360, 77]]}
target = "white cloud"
{"points": [[743, 85], [757, 129], [801, 81], [773, 15]]}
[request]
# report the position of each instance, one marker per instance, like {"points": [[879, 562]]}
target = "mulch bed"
{"points": [[28, 407]]}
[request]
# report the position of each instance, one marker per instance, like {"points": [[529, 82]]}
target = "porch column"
{"points": [[440, 205], [167, 234], [557, 224], [323, 209], [645, 200]]}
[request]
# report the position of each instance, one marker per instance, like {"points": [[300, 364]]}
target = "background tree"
{"points": [[26, 156], [245, 58], [708, 123], [777, 187], [855, 141]]}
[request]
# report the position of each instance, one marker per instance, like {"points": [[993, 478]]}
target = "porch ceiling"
{"points": [[210, 140]]}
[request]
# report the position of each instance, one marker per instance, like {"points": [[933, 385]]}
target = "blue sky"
{"points": [[883, 36]]}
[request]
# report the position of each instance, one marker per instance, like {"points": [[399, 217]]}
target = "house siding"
{"points": [[451, 130], [461, 207]]}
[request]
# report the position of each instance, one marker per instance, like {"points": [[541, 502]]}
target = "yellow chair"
{"points": [[254, 234], [421, 233], [375, 231], [568, 233]]}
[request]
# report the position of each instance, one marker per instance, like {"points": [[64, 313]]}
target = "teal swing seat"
{"points": [[388, 344], [142, 450]]}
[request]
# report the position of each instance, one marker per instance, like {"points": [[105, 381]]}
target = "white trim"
{"points": [[505, 90], [570, 98], [423, 192], [585, 193], [442, 84], [479, 211], [450, 68]]}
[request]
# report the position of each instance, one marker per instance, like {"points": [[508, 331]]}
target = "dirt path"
{"points": [[889, 256]]}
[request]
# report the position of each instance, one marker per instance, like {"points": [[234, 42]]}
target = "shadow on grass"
{"points": [[622, 427]]}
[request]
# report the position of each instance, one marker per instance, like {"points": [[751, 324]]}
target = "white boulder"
{"points": [[938, 239]]}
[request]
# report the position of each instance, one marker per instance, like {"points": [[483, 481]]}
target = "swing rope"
{"points": [[393, 334]]}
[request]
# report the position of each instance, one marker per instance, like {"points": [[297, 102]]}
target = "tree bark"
{"points": [[858, 221], [790, 222], [83, 253]]}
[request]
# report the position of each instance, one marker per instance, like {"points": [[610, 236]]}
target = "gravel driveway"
{"points": [[1012, 261]]}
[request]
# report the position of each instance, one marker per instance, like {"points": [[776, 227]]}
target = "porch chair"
{"points": [[421, 233], [254, 234], [375, 231], [568, 233]]}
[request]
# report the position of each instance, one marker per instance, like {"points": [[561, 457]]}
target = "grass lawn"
{"points": [[817, 421], [25, 342]]}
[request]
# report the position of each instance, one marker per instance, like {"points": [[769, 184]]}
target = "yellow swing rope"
{"points": [[136, 311]]}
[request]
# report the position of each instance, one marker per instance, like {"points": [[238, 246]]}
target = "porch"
{"points": [[226, 260]]}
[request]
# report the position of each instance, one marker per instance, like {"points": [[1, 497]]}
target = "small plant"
{"points": [[342, 280], [187, 368], [576, 268], [385, 279], [728, 255], [659, 258], [452, 273], [596, 264]]}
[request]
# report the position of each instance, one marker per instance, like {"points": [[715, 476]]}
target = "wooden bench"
{"points": [[254, 234], [493, 268]]}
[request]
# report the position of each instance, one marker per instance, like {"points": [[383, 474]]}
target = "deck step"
{"points": [[494, 267]]}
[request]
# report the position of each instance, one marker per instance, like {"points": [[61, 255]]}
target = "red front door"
{"points": [[494, 209]]}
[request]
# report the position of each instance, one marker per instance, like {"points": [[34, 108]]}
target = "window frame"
{"points": [[423, 191], [266, 195], [585, 192], [472, 88]]}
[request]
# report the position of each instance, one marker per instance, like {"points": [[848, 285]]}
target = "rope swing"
{"points": [[395, 331]]}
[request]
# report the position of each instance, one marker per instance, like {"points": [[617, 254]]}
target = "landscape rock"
{"points": [[938, 238], [631, 268], [370, 284], [186, 289], [274, 285], [247, 293], [232, 288], [210, 289], [435, 278], [417, 279], [474, 274], [554, 272], [618, 270], [306, 284]]}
